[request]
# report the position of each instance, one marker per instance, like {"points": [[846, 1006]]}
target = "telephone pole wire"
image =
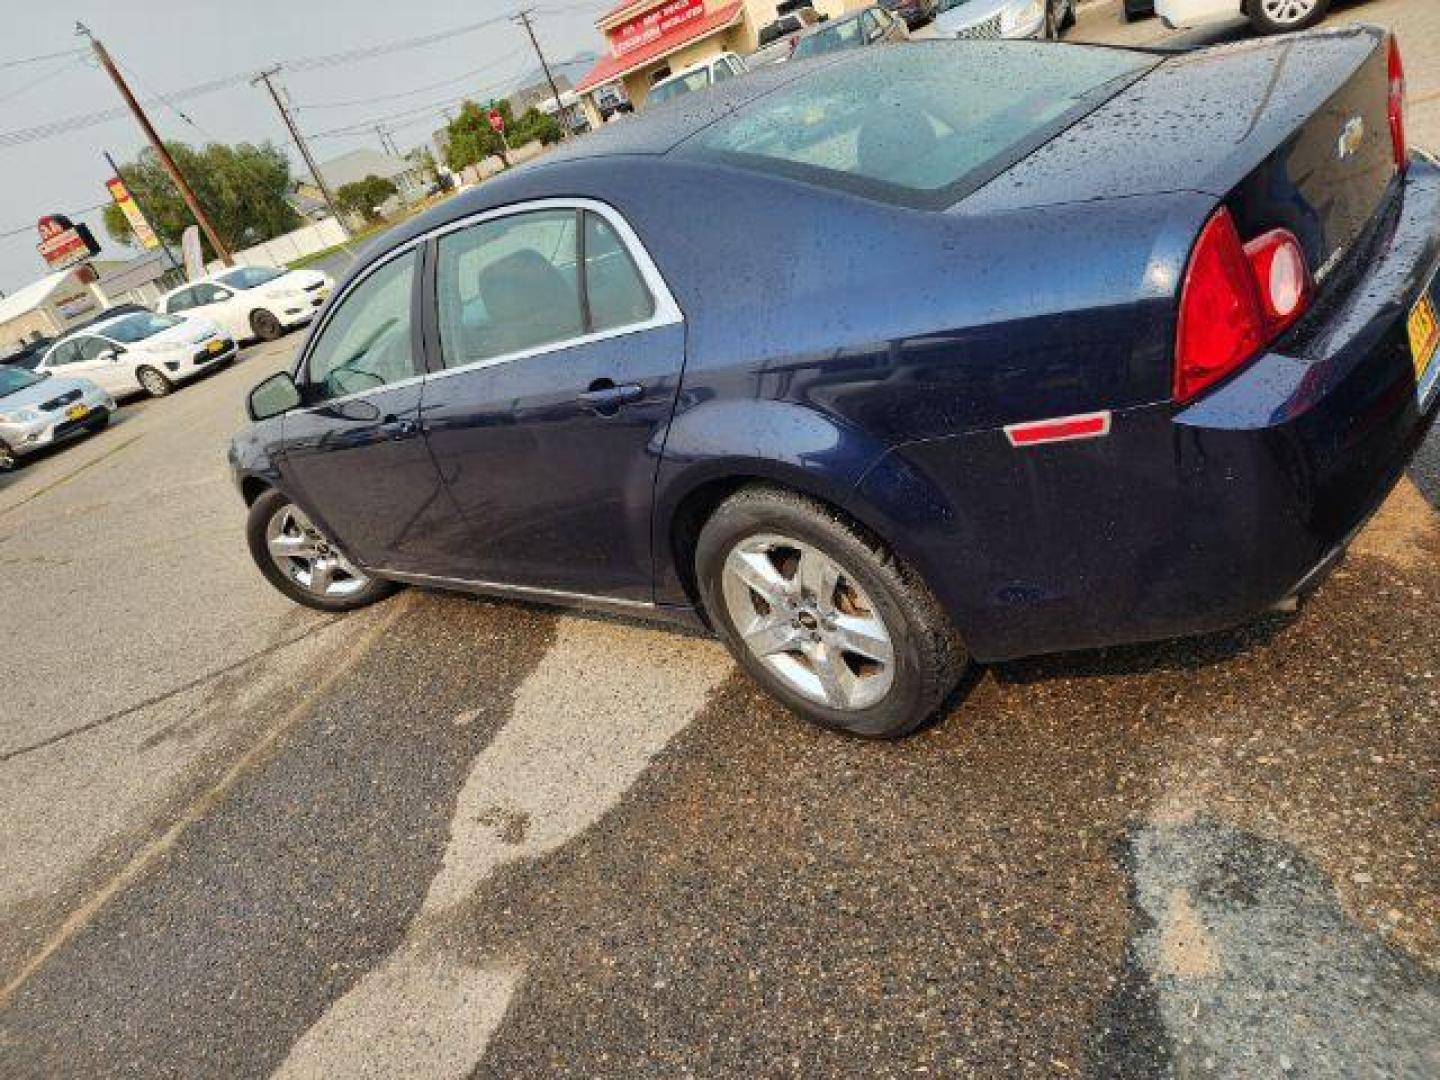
{"points": [[166, 161], [265, 77], [523, 18]]}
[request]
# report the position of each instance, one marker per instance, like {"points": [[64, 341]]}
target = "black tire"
{"points": [[261, 511], [1135, 14], [265, 325], [928, 655], [1264, 24], [154, 382], [9, 460], [1071, 16]]}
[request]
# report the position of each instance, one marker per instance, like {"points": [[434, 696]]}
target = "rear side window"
{"points": [[617, 294], [181, 301], [67, 352], [514, 283], [366, 343], [922, 125]]}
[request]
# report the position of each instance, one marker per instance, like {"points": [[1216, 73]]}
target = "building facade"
{"points": [[648, 40]]}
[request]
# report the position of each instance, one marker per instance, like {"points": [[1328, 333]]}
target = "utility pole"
{"points": [[115, 171], [166, 161], [523, 18], [265, 77]]}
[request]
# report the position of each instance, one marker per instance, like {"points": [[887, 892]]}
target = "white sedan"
{"points": [[139, 350], [252, 301], [1267, 16]]}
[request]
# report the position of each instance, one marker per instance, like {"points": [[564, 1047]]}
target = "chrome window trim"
{"points": [[667, 311]]}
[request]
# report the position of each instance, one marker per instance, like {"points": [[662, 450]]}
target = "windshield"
{"points": [[137, 327], [921, 125], [680, 84], [248, 277], [845, 35], [13, 379]]}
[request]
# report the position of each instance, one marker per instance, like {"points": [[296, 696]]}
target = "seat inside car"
{"points": [[528, 302]]}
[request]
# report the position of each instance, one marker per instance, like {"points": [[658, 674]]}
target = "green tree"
{"points": [[243, 189], [365, 197], [536, 125], [469, 137]]}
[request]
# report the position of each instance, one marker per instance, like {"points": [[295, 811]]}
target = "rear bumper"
{"points": [[1183, 522]]}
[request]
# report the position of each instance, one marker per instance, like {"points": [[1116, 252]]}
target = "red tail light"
{"points": [[1236, 299], [1397, 105]]}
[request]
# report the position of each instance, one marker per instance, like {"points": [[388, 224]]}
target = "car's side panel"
{"points": [[557, 494]]}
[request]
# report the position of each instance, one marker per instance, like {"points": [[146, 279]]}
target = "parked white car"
{"points": [[989, 19], [252, 301], [1267, 16], [708, 72], [139, 351]]}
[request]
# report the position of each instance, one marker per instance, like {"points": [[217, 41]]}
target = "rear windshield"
{"points": [[698, 79], [922, 124], [835, 38]]}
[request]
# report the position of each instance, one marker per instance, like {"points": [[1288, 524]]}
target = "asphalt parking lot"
{"points": [[449, 837]]}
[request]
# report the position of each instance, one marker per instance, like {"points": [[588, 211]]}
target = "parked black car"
{"points": [[915, 13]]}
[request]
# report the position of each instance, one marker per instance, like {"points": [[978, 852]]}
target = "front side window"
{"points": [[91, 348], [367, 343], [181, 301], [512, 284], [210, 294], [837, 38]]}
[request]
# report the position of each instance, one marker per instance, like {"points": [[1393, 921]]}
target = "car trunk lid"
{"points": [[1290, 132]]}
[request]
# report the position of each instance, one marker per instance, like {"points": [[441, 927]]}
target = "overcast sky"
{"points": [[170, 46]]}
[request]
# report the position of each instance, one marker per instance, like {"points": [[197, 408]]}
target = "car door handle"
{"points": [[392, 427], [605, 398]]}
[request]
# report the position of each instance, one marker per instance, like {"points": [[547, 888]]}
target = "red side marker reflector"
{"points": [[1060, 429]]}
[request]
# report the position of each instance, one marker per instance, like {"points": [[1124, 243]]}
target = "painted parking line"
{"points": [[603, 702]]}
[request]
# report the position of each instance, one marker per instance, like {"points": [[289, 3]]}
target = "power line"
{"points": [[266, 77], [368, 52], [41, 58], [51, 74], [523, 18], [307, 107]]}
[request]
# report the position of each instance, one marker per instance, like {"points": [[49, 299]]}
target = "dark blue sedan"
{"points": [[888, 362]]}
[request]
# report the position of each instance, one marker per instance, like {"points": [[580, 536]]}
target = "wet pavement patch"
{"points": [[1243, 956], [271, 906]]}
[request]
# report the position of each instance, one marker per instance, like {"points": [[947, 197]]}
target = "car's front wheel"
{"points": [[302, 562], [1282, 16], [824, 616], [152, 382], [8, 458], [265, 325]]}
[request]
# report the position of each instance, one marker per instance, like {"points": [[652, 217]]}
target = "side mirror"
{"points": [[108, 356], [276, 395]]}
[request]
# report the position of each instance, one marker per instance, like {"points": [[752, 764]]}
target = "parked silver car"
{"points": [[39, 410]]}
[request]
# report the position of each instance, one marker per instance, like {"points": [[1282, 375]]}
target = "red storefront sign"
{"points": [[661, 21]]}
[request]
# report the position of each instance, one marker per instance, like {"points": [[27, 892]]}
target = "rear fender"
{"points": [[720, 446]]}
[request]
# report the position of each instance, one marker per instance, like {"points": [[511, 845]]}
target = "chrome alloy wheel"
{"points": [[305, 557], [806, 618], [1287, 12]]}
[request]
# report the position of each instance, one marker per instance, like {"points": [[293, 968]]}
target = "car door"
{"points": [[555, 365], [352, 453], [93, 358], [222, 305]]}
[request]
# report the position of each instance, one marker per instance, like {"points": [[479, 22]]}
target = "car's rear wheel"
{"points": [[1282, 16], [265, 325], [823, 616], [302, 562], [152, 382], [8, 458], [1071, 14]]}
